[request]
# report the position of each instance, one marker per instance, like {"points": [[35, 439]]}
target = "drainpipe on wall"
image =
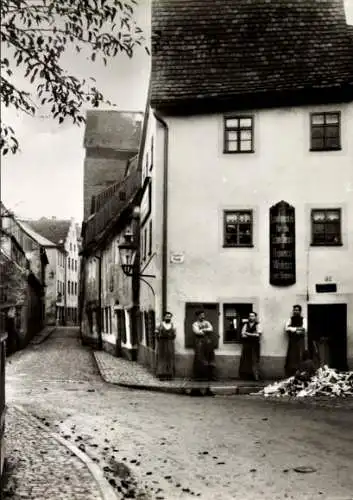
{"points": [[81, 296], [165, 213], [65, 290], [99, 322]]}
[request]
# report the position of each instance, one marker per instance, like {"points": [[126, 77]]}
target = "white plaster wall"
{"points": [[71, 246], [203, 182], [153, 264], [119, 295]]}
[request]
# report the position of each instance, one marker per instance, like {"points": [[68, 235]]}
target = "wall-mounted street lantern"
{"points": [[128, 253]]}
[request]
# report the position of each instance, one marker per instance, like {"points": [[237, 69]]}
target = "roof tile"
{"points": [[226, 48]]}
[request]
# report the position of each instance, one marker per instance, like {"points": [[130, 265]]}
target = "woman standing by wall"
{"points": [[165, 335]]}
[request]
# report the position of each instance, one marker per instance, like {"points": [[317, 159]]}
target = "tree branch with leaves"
{"points": [[36, 35]]}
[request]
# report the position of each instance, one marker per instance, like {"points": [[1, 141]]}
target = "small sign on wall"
{"points": [[177, 257]]}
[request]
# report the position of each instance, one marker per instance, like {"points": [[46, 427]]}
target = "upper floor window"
{"points": [[238, 228], [238, 134], [325, 131], [326, 227], [150, 239], [145, 244], [146, 165], [152, 154], [68, 262]]}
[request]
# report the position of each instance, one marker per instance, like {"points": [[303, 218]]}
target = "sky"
{"points": [[46, 177]]}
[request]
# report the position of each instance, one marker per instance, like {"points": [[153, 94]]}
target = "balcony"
{"points": [[113, 207]]}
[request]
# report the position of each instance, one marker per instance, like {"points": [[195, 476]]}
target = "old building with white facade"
{"points": [[110, 312], [59, 237], [248, 156], [23, 262]]}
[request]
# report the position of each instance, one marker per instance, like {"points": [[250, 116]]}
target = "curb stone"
{"points": [[106, 489], [38, 339], [183, 389]]}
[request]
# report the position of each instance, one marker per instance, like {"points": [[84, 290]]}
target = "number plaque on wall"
{"points": [[282, 244]]}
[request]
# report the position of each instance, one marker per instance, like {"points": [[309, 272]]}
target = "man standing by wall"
{"points": [[296, 329]]}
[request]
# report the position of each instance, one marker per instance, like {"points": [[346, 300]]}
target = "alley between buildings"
{"points": [[164, 446]]}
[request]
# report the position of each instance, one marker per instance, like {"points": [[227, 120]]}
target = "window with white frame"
{"points": [[325, 131], [326, 227], [238, 134], [238, 228]]}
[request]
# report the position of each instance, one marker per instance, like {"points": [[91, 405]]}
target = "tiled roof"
{"points": [[223, 49], [54, 230], [33, 234]]}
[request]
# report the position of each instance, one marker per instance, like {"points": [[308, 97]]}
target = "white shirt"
{"points": [[289, 328], [200, 327], [257, 333]]}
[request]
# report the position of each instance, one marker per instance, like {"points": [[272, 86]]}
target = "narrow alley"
{"points": [[162, 446]]}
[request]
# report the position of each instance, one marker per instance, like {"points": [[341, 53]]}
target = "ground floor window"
{"points": [[233, 320], [150, 327], [120, 313], [212, 314]]}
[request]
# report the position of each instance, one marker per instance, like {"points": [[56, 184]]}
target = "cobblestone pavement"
{"points": [[40, 467], [165, 446], [122, 372]]}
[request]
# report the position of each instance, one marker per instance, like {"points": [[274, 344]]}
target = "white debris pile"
{"points": [[325, 382]]}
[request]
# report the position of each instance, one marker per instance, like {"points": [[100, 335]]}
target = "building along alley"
{"points": [[166, 446]]}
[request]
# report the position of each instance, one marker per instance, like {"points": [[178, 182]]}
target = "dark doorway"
{"points": [[211, 312], [330, 321], [121, 332]]}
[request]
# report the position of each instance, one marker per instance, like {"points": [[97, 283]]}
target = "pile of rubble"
{"points": [[325, 382]]}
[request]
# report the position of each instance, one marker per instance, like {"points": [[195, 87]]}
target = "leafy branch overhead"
{"points": [[36, 35]]}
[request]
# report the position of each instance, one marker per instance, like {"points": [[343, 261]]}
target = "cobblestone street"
{"points": [[153, 445]]}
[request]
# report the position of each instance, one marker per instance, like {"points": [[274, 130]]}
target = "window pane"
{"points": [[332, 131], [245, 146], [245, 135], [319, 228], [333, 215], [231, 239], [232, 135], [231, 218], [231, 228], [332, 227], [245, 217], [332, 238], [245, 122], [232, 122], [332, 142], [318, 216], [317, 132], [230, 326], [245, 234], [317, 119], [232, 146], [317, 143], [332, 118], [319, 238]]}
